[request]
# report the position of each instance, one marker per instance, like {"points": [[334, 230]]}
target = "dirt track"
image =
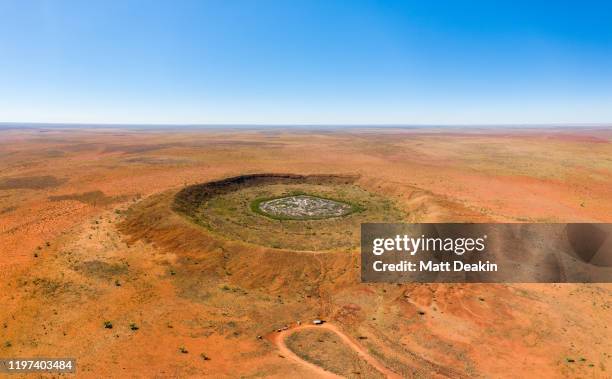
{"points": [[279, 341]]}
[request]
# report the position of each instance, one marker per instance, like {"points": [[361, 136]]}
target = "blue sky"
{"points": [[293, 61]]}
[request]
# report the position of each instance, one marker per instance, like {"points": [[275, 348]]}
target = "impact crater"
{"points": [[286, 211]]}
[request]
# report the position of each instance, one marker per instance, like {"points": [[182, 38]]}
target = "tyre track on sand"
{"points": [[278, 338]]}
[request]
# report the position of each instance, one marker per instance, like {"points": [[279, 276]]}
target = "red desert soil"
{"points": [[87, 236]]}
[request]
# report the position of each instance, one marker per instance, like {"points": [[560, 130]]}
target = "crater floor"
{"points": [[304, 207]]}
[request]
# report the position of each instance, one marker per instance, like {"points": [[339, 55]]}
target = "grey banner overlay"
{"points": [[486, 253]]}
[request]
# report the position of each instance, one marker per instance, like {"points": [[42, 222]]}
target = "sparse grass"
{"points": [[30, 182], [8, 210], [94, 198], [327, 350], [101, 269]]}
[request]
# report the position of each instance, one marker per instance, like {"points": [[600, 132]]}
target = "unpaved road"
{"points": [[280, 337]]}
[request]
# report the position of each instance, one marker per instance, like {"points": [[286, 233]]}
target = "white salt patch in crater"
{"points": [[304, 206]]}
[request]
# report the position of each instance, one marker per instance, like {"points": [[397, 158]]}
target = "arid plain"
{"points": [[96, 264]]}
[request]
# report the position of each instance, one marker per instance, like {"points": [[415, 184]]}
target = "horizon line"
{"points": [[26, 124]]}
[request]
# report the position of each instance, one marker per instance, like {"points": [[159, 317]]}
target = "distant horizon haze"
{"points": [[136, 126]]}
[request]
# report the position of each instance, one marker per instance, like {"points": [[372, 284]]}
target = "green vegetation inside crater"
{"points": [[237, 215]]}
